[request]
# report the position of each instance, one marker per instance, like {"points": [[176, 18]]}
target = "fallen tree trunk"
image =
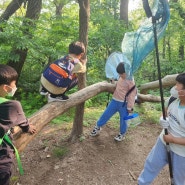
{"points": [[167, 81], [148, 98], [51, 110]]}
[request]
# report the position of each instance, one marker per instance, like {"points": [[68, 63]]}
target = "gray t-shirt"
{"points": [[176, 116]]}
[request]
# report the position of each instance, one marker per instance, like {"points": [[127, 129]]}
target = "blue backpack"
{"points": [[59, 73]]}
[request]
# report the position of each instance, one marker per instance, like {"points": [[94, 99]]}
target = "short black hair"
{"points": [[120, 68], [7, 74], [181, 79], [76, 48]]}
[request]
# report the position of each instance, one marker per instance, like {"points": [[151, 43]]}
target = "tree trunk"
{"points": [[32, 13], [84, 14], [11, 9], [124, 10], [59, 4]]}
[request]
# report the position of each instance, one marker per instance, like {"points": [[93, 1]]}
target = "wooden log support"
{"points": [[51, 110]]}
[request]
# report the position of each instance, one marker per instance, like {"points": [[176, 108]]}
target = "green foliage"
{"points": [[31, 102], [67, 117], [150, 112]]}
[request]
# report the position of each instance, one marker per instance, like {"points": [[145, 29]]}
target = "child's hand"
{"points": [[32, 129], [83, 61], [130, 111], [168, 138], [112, 81]]}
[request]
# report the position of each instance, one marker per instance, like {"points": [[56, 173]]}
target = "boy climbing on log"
{"points": [[119, 103], [11, 114], [61, 76]]}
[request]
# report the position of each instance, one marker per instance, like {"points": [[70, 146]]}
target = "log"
{"points": [[148, 98], [167, 81], [51, 110]]}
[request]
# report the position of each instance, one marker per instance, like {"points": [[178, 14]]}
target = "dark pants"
{"points": [[5, 178]]}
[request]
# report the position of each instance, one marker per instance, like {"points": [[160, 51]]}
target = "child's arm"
{"points": [[17, 117], [176, 140]]}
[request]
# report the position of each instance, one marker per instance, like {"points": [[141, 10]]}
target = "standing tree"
{"points": [[59, 4], [84, 14], [124, 10]]}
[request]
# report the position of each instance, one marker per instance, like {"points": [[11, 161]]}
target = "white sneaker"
{"points": [[119, 137], [95, 131], [44, 93], [58, 98]]}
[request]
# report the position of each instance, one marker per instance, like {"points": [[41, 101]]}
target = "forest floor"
{"points": [[89, 161]]}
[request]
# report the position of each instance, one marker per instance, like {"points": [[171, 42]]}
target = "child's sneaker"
{"points": [[119, 137], [58, 98], [95, 131], [43, 92]]}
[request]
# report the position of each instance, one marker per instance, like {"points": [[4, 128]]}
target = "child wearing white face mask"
{"points": [[175, 123], [11, 114]]}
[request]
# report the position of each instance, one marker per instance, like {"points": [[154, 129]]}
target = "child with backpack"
{"points": [[11, 114], [119, 103], [61, 76], [175, 124]]}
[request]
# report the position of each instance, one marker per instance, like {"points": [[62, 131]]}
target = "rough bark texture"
{"points": [[84, 14], [124, 10]]}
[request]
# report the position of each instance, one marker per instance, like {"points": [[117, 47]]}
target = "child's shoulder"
{"points": [[11, 103]]}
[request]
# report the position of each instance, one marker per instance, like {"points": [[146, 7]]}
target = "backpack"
{"points": [[171, 100], [59, 73]]}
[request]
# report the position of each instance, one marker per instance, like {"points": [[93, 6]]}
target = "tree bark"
{"points": [[11, 9], [32, 13], [84, 14], [59, 4], [168, 80], [124, 10]]}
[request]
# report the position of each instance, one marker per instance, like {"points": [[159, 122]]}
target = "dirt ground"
{"points": [[92, 161]]}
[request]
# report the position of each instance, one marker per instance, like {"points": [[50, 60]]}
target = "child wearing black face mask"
{"points": [[11, 114]]}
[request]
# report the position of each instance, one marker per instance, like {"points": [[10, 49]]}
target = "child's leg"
{"points": [[123, 113], [178, 165], [108, 113], [5, 174], [73, 83], [5, 178], [154, 163]]}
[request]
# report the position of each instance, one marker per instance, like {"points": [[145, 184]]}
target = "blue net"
{"points": [[138, 44], [113, 60]]}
